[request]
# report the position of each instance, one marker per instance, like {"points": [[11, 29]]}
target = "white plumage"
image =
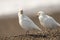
{"points": [[26, 23], [47, 21]]}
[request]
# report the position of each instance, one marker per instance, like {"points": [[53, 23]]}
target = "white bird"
{"points": [[26, 23], [47, 21]]}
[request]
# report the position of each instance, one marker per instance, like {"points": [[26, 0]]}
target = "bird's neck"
{"points": [[21, 16], [42, 15]]}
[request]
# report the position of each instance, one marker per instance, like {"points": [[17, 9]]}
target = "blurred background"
{"points": [[9, 9]]}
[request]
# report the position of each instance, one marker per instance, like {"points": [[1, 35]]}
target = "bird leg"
{"points": [[27, 33]]}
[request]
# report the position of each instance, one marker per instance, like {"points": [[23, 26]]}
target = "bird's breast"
{"points": [[41, 18]]}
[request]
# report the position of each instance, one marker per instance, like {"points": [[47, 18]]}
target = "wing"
{"points": [[53, 21], [31, 23]]}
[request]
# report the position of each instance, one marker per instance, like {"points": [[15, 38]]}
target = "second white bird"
{"points": [[47, 21]]}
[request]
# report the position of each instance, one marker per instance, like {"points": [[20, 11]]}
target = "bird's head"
{"points": [[40, 13], [21, 11]]}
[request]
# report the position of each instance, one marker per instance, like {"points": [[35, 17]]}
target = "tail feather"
{"points": [[39, 29], [58, 24]]}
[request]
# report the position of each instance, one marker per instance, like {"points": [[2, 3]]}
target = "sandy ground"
{"points": [[11, 30]]}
